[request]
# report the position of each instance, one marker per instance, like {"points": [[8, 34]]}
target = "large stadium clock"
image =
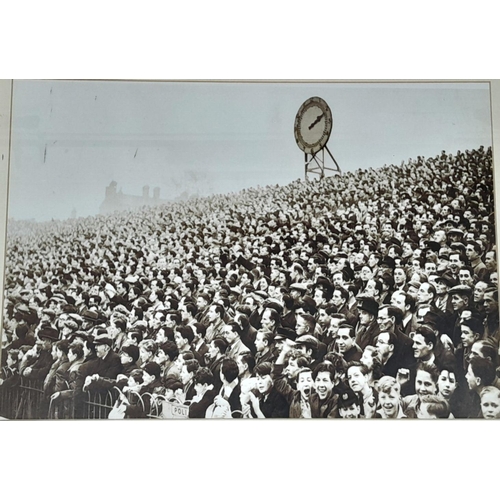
{"points": [[313, 125]]}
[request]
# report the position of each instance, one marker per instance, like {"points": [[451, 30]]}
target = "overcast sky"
{"points": [[71, 139]]}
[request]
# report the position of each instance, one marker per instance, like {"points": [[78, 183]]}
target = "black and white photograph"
{"points": [[250, 250]]}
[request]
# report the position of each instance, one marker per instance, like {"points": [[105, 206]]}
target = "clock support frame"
{"points": [[319, 166]]}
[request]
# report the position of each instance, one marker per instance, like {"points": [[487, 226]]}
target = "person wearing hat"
{"points": [[348, 404], [40, 366], [443, 298], [107, 364], [367, 328]]}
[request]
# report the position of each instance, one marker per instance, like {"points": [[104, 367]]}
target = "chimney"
{"points": [[156, 193], [145, 192]]}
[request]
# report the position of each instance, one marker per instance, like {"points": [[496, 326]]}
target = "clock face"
{"points": [[313, 125]]}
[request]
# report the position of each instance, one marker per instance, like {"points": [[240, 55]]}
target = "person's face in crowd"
{"points": [[455, 263], [352, 411], [387, 230], [389, 402], [467, 336], [260, 343], [439, 236], [132, 383], [201, 303], [319, 299], [371, 288], [472, 381], [399, 276], [242, 367], [213, 352], [250, 301], [305, 384], [101, 350], [447, 384], [72, 356], [333, 329], [490, 406], [170, 321], [494, 278], [144, 354], [385, 322], [490, 304], [323, 385], [356, 379], [365, 318], [344, 340], [424, 385], [415, 267], [186, 376], [479, 289], [311, 265], [424, 296], [489, 261], [125, 358], [264, 383], [429, 268], [471, 253], [399, 300], [421, 349], [229, 334], [291, 368], [301, 327], [383, 249], [465, 278], [266, 321], [275, 272], [366, 273], [372, 261], [212, 314], [367, 357], [384, 348], [441, 288], [338, 279], [337, 299], [323, 319], [180, 341]]}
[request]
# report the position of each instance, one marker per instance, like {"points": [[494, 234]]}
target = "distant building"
{"points": [[117, 201]]}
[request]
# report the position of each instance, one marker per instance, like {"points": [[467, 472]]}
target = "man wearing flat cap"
{"points": [[107, 365], [443, 298], [43, 361], [367, 328], [41, 365]]}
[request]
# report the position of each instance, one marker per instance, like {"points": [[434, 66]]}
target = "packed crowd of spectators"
{"points": [[370, 294]]}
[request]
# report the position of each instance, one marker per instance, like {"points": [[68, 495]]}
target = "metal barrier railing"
{"points": [[27, 401]]}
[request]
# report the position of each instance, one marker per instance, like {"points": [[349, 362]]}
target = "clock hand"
{"points": [[316, 121]]}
